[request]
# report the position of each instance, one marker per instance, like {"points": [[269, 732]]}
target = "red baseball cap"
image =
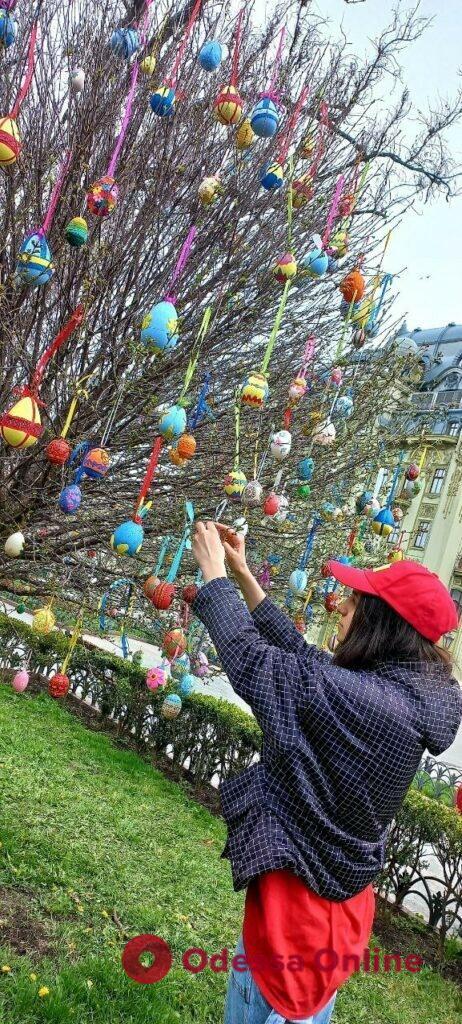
{"points": [[417, 594]]}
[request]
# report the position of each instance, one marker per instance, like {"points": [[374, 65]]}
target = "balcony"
{"points": [[424, 401]]}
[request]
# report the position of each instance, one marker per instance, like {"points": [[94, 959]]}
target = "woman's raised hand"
{"points": [[234, 546]]}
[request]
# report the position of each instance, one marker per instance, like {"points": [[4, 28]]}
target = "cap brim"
{"points": [[357, 579]]}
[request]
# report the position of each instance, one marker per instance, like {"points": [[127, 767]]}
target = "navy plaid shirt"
{"points": [[340, 747]]}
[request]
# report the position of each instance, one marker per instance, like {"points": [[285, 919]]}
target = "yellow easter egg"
{"points": [[21, 425], [10, 143], [43, 621], [148, 65], [245, 135]]}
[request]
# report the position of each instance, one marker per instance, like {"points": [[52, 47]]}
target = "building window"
{"points": [[395, 535], [422, 534], [438, 481], [456, 595], [454, 429]]}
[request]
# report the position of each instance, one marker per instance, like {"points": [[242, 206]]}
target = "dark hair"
{"points": [[378, 634]]}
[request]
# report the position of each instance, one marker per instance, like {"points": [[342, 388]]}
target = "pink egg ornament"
{"points": [[20, 681]]}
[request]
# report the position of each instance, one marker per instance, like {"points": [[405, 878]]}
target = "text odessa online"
{"points": [[196, 960]]}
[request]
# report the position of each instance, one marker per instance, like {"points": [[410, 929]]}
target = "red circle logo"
{"points": [[158, 948]]}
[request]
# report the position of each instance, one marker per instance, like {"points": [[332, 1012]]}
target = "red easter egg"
{"points": [[331, 603], [149, 586], [174, 643], [162, 596], [325, 571], [271, 505], [189, 593], [413, 471], [58, 451], [58, 685]]}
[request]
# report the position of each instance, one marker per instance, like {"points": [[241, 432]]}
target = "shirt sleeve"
{"points": [[276, 627], [275, 683]]}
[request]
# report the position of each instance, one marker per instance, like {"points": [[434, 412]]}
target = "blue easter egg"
{"points": [[211, 55], [173, 423], [127, 538], [305, 469], [298, 581], [362, 501], [162, 101], [7, 29], [180, 667], [265, 118], [187, 684], [70, 499], [159, 329], [125, 42], [316, 263], [34, 264], [272, 176], [383, 523], [343, 559], [344, 407]]}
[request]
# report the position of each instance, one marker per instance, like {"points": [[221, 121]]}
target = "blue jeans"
{"points": [[246, 1005]]}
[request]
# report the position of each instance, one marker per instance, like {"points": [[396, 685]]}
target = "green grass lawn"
{"points": [[91, 833]]}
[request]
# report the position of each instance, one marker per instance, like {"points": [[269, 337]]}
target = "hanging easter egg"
{"points": [[398, 514], [58, 685], [201, 665], [346, 204], [252, 494], [308, 146], [180, 666], [241, 526], [298, 581], [209, 190], [305, 469], [20, 608], [162, 596], [77, 80], [175, 457], [186, 446], [302, 191], [413, 471], [171, 706], [228, 106], [324, 433], [211, 55], [315, 263], [148, 64], [303, 491], [125, 42], [234, 484], [281, 515], [255, 390], [162, 101], [128, 538], [353, 286], [96, 463], [339, 244], [344, 407], [20, 681], [331, 603], [383, 523], [271, 504], [281, 443], [34, 263], [76, 232], [70, 499], [297, 389], [43, 621], [187, 684], [265, 118], [357, 548], [372, 507], [361, 313], [155, 678], [14, 545], [58, 451], [7, 29], [272, 176], [327, 511], [362, 501], [173, 423], [174, 643], [10, 142], [336, 376], [159, 329], [359, 338], [348, 310], [149, 586], [286, 268], [244, 135], [395, 555], [189, 593], [102, 196]]}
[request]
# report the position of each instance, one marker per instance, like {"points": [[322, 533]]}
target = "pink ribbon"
{"points": [[237, 49], [292, 124], [277, 61], [181, 263], [126, 120], [308, 354], [333, 210], [56, 194]]}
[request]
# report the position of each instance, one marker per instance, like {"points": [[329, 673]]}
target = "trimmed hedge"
{"points": [[213, 739]]}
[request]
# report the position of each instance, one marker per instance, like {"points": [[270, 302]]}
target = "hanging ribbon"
{"points": [[29, 73], [321, 147], [277, 324], [291, 125], [290, 205], [237, 48], [394, 482], [80, 393], [195, 352], [308, 356], [162, 554], [202, 408], [276, 65], [310, 542], [237, 424], [386, 282], [125, 122], [172, 81], [180, 264], [74, 321], [56, 193], [74, 638], [148, 478], [333, 211], [174, 568]]}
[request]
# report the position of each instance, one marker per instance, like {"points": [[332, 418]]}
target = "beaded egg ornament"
{"points": [[286, 268], [125, 42], [102, 196], [255, 390]]}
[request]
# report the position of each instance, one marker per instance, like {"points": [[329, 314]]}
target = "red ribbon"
{"points": [[148, 476], [187, 32], [237, 50], [29, 72], [74, 321], [292, 124]]}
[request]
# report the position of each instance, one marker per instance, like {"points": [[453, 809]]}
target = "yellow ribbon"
{"points": [[196, 350], [80, 392], [277, 324], [73, 641]]}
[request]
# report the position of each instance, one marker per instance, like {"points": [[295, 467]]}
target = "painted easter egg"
{"points": [[265, 118], [10, 142], [70, 499], [211, 55], [281, 443], [159, 329], [173, 423], [128, 538], [58, 451], [171, 706], [20, 681], [162, 101], [34, 263], [234, 484], [255, 390], [14, 544]]}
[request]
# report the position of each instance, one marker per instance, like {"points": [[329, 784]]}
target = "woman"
{"points": [[342, 740]]}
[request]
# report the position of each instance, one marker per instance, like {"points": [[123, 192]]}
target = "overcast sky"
{"points": [[429, 242]]}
